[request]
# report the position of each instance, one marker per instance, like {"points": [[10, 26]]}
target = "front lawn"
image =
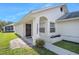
{"points": [[26, 51], [74, 47], [5, 50], [5, 39]]}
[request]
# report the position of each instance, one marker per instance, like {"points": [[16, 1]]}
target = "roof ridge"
{"points": [[42, 9]]}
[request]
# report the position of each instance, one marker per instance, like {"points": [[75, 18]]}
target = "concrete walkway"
{"points": [[29, 41], [58, 50], [18, 43]]}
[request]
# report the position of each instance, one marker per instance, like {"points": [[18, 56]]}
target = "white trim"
{"points": [[47, 8]]}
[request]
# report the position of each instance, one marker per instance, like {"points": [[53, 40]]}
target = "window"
{"points": [[61, 9], [52, 27], [42, 30], [9, 28], [42, 27]]}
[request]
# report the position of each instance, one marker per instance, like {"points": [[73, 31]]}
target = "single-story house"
{"points": [[8, 28], [49, 21]]}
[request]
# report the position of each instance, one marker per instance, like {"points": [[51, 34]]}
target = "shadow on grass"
{"points": [[43, 51], [26, 51]]}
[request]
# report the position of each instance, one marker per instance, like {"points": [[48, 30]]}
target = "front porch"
{"points": [[39, 27], [36, 28]]}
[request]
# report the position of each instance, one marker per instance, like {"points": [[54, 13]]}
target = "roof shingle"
{"points": [[70, 15]]}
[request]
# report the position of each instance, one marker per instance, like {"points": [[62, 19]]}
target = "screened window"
{"points": [[52, 27], [42, 30], [42, 27], [9, 28]]}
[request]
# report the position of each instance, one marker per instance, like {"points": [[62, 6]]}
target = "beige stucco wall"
{"points": [[51, 15], [69, 29], [20, 29]]}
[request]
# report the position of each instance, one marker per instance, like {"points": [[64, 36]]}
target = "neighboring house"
{"points": [[8, 28], [46, 22], [1, 29]]}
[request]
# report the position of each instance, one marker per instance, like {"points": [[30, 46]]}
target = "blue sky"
{"points": [[15, 11]]}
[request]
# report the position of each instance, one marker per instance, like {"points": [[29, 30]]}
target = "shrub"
{"points": [[40, 43]]}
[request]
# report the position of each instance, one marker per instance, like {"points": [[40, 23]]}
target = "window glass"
{"points": [[52, 27], [42, 30]]}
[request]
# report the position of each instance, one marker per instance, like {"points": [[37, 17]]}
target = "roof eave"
{"points": [[32, 12], [26, 16], [43, 9], [69, 19]]}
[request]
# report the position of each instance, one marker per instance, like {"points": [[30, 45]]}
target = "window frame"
{"points": [[53, 27]]}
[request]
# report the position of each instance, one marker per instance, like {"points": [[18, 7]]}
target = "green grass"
{"points": [[5, 39], [74, 47], [26, 51]]}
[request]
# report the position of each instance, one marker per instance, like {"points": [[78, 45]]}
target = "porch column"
{"points": [[35, 30], [48, 27]]}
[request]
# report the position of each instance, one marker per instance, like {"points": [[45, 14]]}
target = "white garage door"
{"points": [[70, 29]]}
